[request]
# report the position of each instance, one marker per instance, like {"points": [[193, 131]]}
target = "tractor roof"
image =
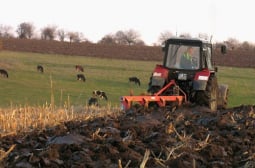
{"points": [[187, 39]]}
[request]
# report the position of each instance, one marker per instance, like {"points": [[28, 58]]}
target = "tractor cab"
{"points": [[187, 54]]}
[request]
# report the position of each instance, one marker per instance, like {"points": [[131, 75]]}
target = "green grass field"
{"points": [[241, 83], [26, 86]]}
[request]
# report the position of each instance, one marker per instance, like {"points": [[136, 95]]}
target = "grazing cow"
{"points": [[100, 94], [93, 101], [135, 80], [40, 68], [79, 68], [81, 77], [4, 73]]}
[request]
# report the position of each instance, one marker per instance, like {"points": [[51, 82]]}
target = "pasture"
{"points": [[59, 85], [26, 86]]}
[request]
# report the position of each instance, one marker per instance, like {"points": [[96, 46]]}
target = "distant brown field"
{"points": [[237, 57], [84, 49]]}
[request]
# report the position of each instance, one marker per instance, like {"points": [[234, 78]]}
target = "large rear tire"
{"points": [[209, 96], [223, 92]]}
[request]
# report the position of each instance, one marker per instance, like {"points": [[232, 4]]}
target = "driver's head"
{"points": [[190, 50]]}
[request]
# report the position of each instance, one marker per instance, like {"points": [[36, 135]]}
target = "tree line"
{"points": [[26, 30]]}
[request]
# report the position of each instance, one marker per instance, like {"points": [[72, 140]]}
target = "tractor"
{"points": [[187, 75]]}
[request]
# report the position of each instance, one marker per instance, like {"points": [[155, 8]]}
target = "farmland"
{"points": [[34, 134]]}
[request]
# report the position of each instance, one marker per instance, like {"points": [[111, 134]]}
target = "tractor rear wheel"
{"points": [[223, 96], [209, 96]]}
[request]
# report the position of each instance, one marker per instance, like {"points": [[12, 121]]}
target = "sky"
{"points": [[221, 19]]}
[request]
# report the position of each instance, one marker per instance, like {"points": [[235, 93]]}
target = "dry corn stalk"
{"points": [[120, 164], [145, 158], [203, 144], [4, 154]]}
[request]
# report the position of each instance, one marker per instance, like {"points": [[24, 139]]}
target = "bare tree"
{"points": [[71, 36], [164, 36], [48, 33], [132, 37], [76, 37], [107, 39], [246, 45], [5, 31], [129, 37], [120, 37], [232, 43], [61, 34], [80, 37], [25, 30]]}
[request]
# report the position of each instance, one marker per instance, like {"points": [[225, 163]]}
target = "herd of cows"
{"points": [[78, 68], [80, 76]]}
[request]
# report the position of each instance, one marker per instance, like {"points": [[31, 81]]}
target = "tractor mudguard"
{"points": [[159, 76], [201, 79]]}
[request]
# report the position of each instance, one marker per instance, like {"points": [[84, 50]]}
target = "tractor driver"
{"points": [[188, 60]]}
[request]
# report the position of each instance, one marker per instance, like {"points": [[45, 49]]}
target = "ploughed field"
{"points": [[186, 137]]}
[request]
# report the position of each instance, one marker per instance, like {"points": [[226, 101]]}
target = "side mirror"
{"points": [[223, 49]]}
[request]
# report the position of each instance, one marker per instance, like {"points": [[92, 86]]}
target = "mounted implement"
{"points": [[186, 75]]}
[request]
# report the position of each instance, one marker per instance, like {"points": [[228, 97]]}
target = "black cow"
{"points": [[93, 101], [81, 77], [100, 94], [135, 80], [40, 68], [79, 68], [4, 73]]}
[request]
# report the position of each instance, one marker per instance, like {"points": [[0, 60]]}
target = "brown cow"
{"points": [[79, 68], [4, 73]]}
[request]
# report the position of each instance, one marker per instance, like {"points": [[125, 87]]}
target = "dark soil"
{"points": [[187, 137]]}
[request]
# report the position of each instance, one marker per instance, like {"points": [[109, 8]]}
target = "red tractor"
{"points": [[187, 75]]}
